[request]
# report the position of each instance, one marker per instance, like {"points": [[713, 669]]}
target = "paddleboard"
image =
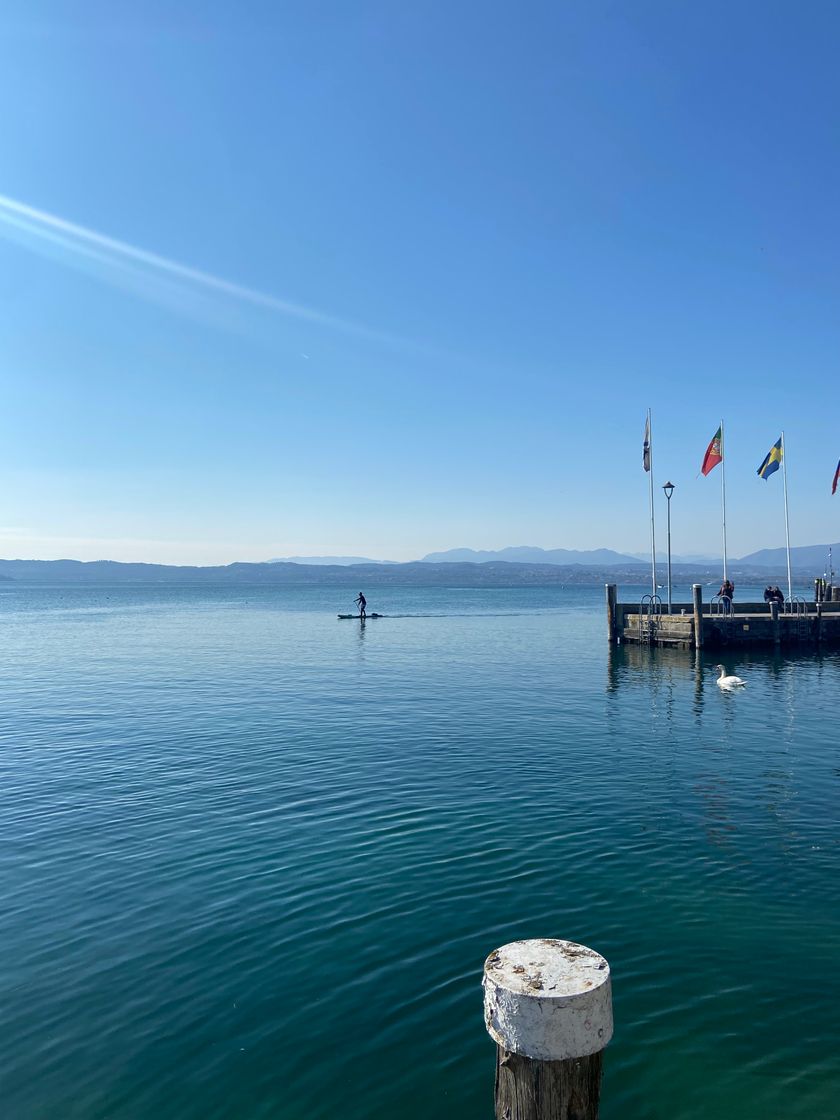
{"points": [[359, 616]]}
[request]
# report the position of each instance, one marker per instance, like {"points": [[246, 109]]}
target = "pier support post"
{"points": [[548, 1006], [774, 619], [697, 599], [611, 601], [819, 629]]}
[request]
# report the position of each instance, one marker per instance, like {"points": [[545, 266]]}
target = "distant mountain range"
{"points": [[769, 565], [814, 556], [682, 558], [527, 554], [341, 561], [282, 573]]}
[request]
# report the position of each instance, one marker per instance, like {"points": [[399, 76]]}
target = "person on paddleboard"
{"points": [[362, 601]]}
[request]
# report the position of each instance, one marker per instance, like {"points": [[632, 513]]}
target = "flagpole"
{"points": [[787, 525], [723, 493], [652, 523]]}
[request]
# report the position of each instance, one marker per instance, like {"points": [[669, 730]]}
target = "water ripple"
{"points": [[232, 831]]}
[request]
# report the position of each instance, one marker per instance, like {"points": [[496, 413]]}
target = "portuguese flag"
{"points": [[714, 453]]}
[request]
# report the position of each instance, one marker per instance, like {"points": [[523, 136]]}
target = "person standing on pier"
{"points": [[727, 594], [362, 601]]}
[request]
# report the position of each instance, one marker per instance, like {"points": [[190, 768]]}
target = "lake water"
{"points": [[252, 858]]}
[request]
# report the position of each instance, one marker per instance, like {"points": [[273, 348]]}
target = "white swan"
{"points": [[728, 682]]}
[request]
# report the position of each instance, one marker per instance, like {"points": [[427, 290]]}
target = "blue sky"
{"points": [[382, 279]]}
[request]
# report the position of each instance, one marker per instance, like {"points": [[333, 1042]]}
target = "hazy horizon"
{"points": [[345, 560]]}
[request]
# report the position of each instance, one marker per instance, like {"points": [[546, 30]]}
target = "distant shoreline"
{"points": [[417, 573]]}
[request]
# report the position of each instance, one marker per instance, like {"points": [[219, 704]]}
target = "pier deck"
{"points": [[698, 625]]}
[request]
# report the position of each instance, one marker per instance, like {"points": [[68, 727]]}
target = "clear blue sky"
{"points": [[449, 254]]}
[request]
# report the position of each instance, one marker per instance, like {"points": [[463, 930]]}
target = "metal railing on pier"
{"points": [[650, 617]]}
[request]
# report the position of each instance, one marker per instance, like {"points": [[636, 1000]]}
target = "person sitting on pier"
{"points": [[769, 594], [778, 595]]}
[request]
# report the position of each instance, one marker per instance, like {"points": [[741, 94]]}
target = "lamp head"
{"points": [[669, 490]]}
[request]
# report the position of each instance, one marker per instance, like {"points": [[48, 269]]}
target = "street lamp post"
{"points": [[669, 490]]}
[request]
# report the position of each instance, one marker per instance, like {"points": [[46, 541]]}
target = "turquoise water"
{"points": [[252, 858]]}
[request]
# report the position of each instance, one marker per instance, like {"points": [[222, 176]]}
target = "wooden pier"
{"points": [[719, 625]]}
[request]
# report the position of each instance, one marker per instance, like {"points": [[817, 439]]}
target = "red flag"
{"points": [[836, 476], [714, 453]]}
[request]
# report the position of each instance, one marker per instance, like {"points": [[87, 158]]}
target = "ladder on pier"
{"points": [[797, 609], [721, 608], [650, 616]]}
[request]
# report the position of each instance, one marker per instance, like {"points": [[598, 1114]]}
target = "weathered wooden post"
{"points": [[774, 619], [548, 1005], [611, 601], [697, 599]]}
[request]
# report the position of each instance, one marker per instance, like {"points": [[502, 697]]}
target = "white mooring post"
{"points": [[548, 1006]]}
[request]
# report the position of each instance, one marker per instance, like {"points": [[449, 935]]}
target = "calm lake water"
{"points": [[252, 858]]}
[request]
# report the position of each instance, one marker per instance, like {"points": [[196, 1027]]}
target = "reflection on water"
{"points": [[753, 740], [657, 671]]}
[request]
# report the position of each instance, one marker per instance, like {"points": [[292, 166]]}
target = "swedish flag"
{"points": [[772, 460]]}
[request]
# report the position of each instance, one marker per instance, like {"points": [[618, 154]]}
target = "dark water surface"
{"points": [[252, 858]]}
